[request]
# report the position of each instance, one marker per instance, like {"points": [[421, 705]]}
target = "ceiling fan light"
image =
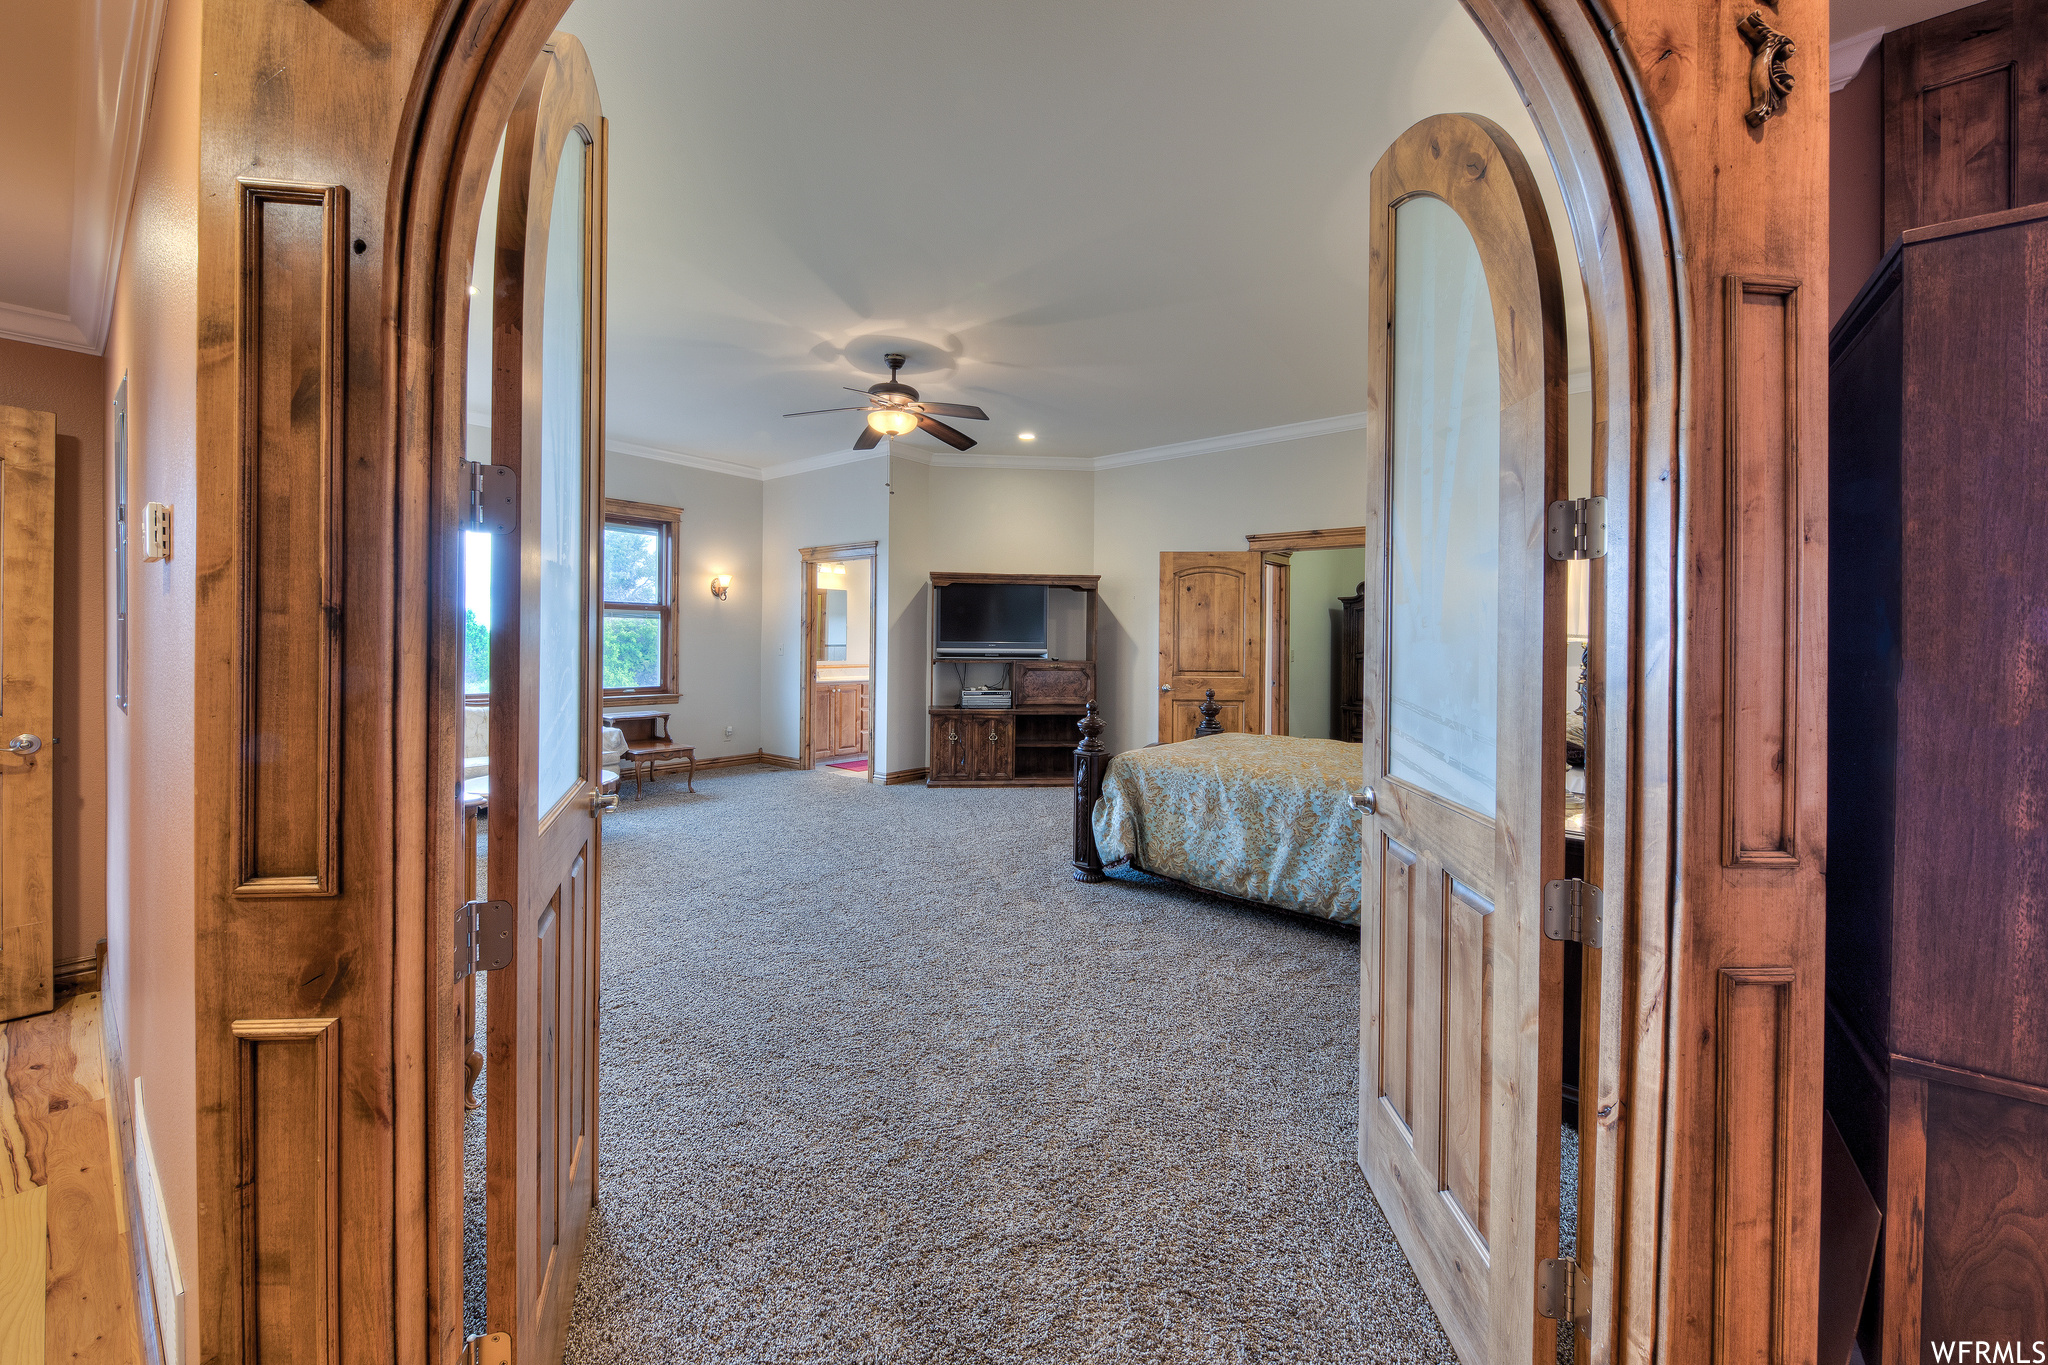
{"points": [[892, 421]]}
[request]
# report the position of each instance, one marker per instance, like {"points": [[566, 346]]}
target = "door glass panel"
{"points": [[563, 513], [1444, 527]]}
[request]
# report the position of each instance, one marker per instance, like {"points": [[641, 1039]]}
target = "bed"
{"points": [[1259, 818]]}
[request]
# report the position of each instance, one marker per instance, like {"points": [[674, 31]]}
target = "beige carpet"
{"points": [[881, 1082]]}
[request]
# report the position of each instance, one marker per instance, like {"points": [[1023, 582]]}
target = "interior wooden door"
{"points": [[547, 421], [28, 463], [1279, 645], [1211, 635], [1461, 1005]]}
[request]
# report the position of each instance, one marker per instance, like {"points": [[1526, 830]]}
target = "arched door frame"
{"points": [[1605, 148]]}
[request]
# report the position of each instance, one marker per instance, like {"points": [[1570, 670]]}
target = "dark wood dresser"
{"points": [[1348, 724], [1937, 942]]}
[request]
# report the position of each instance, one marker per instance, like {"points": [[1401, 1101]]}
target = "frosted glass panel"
{"points": [[563, 515], [1444, 527]]}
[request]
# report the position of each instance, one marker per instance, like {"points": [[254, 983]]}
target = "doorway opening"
{"points": [[838, 689], [822, 624]]}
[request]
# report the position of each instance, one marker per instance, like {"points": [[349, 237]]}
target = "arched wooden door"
{"points": [[1462, 995], [547, 422]]}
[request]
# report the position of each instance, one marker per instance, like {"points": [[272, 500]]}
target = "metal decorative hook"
{"points": [[1769, 79]]}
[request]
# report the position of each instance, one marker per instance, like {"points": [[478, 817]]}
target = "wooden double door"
{"points": [[1462, 805], [547, 424]]}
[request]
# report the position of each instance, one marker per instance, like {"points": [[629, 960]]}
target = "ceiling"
{"points": [[1117, 226], [73, 104]]}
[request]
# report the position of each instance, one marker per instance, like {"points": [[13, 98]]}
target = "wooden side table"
{"points": [[660, 752]]}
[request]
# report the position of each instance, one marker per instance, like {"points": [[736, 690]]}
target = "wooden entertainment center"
{"points": [[1030, 744]]}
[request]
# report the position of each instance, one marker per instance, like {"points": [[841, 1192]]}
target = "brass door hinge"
{"points": [[495, 1349]]}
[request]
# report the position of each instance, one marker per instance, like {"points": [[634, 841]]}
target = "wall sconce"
{"points": [[720, 584]]}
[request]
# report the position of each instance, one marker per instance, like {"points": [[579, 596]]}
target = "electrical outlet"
{"points": [[157, 533], [728, 732]]}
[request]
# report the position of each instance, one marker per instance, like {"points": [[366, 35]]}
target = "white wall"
{"points": [[1202, 502], [836, 506], [1012, 520], [1315, 580], [903, 679], [720, 677]]}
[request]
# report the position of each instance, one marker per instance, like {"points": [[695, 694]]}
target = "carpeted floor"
{"points": [[881, 1082]]}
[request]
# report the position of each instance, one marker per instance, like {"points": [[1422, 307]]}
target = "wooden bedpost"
{"points": [[1208, 708], [1090, 758]]}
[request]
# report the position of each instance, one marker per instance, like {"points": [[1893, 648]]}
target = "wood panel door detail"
{"points": [[1966, 114], [1211, 635], [28, 451], [546, 422], [1461, 995]]}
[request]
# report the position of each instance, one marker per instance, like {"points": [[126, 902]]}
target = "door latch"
{"points": [[1577, 529], [484, 934], [493, 498], [1572, 911]]}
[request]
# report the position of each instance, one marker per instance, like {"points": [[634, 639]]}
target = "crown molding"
{"points": [[47, 329], [708, 463], [1846, 58], [1243, 440], [880, 451], [120, 69]]}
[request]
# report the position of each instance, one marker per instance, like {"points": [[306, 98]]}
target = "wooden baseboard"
{"points": [[729, 761], [905, 775], [777, 761], [79, 974]]}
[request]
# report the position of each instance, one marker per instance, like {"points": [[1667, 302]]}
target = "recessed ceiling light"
{"points": [[1027, 435]]}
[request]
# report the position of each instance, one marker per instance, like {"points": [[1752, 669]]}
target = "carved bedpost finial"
{"points": [[1209, 710], [1091, 760], [1091, 729], [1769, 79]]}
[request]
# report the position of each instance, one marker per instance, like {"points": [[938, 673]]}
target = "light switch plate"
{"points": [[157, 532]]}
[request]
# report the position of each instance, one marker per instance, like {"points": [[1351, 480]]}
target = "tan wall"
{"points": [[150, 759], [73, 386]]}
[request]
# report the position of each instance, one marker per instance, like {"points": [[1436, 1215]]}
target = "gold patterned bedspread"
{"points": [[1264, 817]]}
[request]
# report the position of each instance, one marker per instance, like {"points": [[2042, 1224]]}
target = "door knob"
{"points": [[25, 744], [1166, 687], [600, 802], [1367, 801]]}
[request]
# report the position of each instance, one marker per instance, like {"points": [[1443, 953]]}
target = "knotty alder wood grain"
{"points": [[541, 1144], [1462, 996], [28, 472], [1211, 635], [66, 1293]]}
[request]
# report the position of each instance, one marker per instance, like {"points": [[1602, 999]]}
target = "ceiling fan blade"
{"points": [[959, 440], [954, 410], [869, 438], [815, 411]]}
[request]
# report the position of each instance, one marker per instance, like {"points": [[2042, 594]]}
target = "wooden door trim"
{"points": [[1606, 138], [1338, 538], [808, 558]]}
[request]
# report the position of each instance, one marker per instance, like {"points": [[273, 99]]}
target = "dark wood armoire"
{"points": [[1937, 1040], [1349, 722]]}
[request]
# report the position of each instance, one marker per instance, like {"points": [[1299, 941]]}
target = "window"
{"points": [[640, 580]]}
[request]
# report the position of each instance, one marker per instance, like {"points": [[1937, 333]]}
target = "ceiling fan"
{"points": [[894, 409]]}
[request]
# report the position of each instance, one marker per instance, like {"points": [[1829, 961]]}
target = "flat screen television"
{"points": [[992, 620]]}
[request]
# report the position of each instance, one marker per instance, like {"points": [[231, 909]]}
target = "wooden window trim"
{"points": [[668, 521]]}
